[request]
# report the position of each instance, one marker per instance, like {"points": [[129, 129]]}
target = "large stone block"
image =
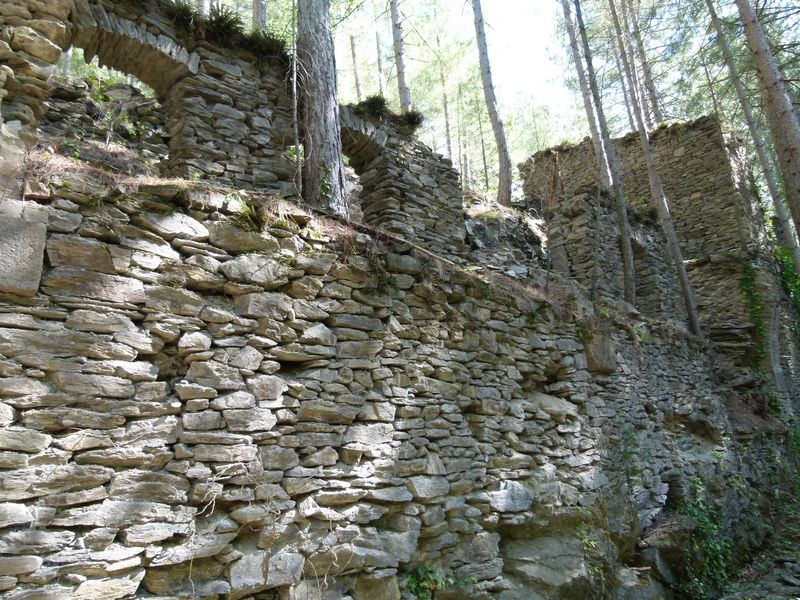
{"points": [[21, 255]]}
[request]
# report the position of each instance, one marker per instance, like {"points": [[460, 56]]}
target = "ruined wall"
{"points": [[583, 242], [406, 188], [225, 118], [191, 409], [223, 115], [715, 215], [80, 119]]}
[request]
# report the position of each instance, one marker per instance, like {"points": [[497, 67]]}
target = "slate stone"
{"points": [[21, 256]]}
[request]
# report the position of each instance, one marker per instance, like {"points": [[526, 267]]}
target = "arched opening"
{"points": [[104, 116]]}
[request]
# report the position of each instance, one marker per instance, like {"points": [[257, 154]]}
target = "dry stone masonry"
{"points": [[212, 393], [716, 218], [194, 410]]}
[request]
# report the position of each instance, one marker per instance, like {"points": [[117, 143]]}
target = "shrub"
{"points": [[267, 45], [182, 13], [412, 119], [224, 25], [374, 106]]}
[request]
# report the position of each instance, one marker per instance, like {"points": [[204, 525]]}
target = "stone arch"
{"points": [[128, 46], [226, 118]]}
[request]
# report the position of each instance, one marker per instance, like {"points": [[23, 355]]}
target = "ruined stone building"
{"points": [[208, 391]]}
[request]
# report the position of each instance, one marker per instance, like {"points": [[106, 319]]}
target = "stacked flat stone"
{"points": [[224, 117], [407, 189], [190, 409], [716, 218]]}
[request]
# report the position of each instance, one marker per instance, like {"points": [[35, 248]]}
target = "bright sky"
{"points": [[525, 51]]}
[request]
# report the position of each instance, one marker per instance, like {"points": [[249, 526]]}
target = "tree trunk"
{"points": [[625, 91], [657, 188], [65, 68], [783, 120], [483, 154], [204, 6], [608, 161], [786, 231], [460, 126], [323, 169], [597, 144], [380, 62], [259, 15], [647, 74], [298, 175], [355, 67], [399, 57], [504, 183], [445, 106]]}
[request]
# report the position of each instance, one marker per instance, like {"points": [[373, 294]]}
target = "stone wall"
{"points": [[225, 119], [406, 188], [716, 218], [193, 409], [583, 242]]}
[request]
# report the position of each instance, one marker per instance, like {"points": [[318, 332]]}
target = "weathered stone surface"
{"points": [[99, 322], [249, 419], [276, 306], [90, 284], [513, 496], [14, 514], [378, 433], [173, 225], [138, 239], [552, 562], [215, 375], [556, 408], [23, 440], [79, 252], [90, 385], [171, 300], [32, 482], [267, 387], [61, 343], [426, 488], [21, 255], [235, 453], [111, 588], [237, 240], [256, 269], [358, 349], [601, 354], [17, 565], [276, 457]]}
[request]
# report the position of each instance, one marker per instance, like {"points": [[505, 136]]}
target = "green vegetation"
{"points": [[708, 563], [423, 581], [374, 106], [377, 107], [791, 280], [755, 309], [225, 26]]}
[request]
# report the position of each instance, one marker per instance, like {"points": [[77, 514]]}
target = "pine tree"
{"points": [[399, 57], [607, 157], [504, 184], [782, 118], [323, 170], [656, 186], [785, 228]]}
